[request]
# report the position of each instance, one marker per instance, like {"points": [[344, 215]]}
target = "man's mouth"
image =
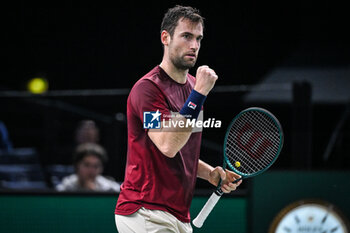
{"points": [[191, 55]]}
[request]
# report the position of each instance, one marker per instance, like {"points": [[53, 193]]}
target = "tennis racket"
{"points": [[253, 141]]}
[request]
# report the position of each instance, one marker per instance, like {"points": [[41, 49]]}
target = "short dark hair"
{"points": [[86, 149], [173, 15]]}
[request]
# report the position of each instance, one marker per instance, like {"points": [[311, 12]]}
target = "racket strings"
{"points": [[256, 166], [246, 166], [268, 132], [250, 166], [253, 141], [265, 126], [255, 147]]}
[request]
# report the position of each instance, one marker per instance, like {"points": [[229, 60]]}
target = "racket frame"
{"points": [[215, 197], [227, 161]]}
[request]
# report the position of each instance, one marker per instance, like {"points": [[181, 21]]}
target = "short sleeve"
{"points": [[145, 96]]}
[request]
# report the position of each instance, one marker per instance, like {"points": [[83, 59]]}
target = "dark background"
{"points": [[99, 45]]}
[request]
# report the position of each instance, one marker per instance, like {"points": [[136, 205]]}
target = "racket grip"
{"points": [[236, 181], [207, 208]]}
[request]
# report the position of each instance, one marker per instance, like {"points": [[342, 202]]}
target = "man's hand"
{"points": [[205, 80], [227, 178]]}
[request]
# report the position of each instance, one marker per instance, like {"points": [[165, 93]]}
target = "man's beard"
{"points": [[181, 64]]}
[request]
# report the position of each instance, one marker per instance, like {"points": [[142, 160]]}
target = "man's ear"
{"points": [[165, 37]]}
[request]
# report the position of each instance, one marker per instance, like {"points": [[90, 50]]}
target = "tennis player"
{"points": [[163, 164]]}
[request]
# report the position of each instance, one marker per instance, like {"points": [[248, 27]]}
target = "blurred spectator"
{"points": [[60, 146], [88, 163], [5, 143], [87, 132]]}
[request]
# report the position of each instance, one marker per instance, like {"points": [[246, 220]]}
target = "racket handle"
{"points": [[207, 208], [236, 181]]}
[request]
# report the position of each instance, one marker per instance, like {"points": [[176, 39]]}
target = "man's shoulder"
{"points": [[153, 76], [148, 82], [107, 183], [68, 183], [70, 179]]}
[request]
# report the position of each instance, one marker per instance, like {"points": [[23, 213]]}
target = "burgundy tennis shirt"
{"points": [[152, 180]]}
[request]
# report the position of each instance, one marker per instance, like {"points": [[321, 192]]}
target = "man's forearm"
{"points": [[204, 170], [170, 140]]}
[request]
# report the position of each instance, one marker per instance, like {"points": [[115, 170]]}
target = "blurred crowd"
{"points": [[20, 168]]}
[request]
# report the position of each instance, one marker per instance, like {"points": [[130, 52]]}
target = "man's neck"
{"points": [[178, 75]]}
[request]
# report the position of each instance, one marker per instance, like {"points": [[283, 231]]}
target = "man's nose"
{"points": [[194, 45]]}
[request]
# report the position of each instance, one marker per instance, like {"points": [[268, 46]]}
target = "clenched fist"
{"points": [[205, 80]]}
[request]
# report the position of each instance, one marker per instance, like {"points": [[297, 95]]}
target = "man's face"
{"points": [[89, 168], [185, 43]]}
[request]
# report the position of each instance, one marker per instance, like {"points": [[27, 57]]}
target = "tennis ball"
{"points": [[237, 164], [37, 85]]}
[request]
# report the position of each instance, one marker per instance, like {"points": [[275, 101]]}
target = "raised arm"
{"points": [[169, 141]]}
